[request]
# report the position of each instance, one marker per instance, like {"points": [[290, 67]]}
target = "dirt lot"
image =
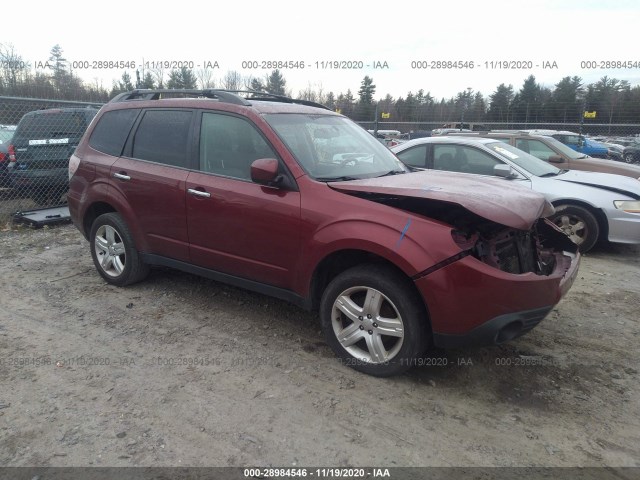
{"points": [[181, 371]]}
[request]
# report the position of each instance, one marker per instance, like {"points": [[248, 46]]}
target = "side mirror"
{"points": [[503, 170], [555, 159], [265, 172]]}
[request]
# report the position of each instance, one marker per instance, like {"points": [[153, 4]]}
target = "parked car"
{"points": [[560, 155], [255, 193], [631, 154], [40, 150], [578, 142], [615, 151], [6, 133], [447, 131], [589, 206]]}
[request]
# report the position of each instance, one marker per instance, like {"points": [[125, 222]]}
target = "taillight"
{"points": [[2, 157], [12, 153], [74, 163]]}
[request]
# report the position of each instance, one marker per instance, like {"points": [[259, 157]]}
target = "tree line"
{"points": [[613, 100]]}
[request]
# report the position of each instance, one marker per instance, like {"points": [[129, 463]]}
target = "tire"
{"points": [[114, 253], [629, 158], [369, 346], [579, 224]]}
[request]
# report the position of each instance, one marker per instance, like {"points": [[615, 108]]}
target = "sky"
{"points": [[570, 37]]}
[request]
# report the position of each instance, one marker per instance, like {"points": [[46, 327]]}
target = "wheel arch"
{"points": [[339, 261], [100, 207], [94, 211]]}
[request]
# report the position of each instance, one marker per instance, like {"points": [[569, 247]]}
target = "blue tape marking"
{"points": [[404, 231]]}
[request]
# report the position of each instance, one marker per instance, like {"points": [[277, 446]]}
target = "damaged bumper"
{"points": [[471, 302]]}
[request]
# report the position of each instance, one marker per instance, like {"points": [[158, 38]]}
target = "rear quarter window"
{"points": [[112, 130]]}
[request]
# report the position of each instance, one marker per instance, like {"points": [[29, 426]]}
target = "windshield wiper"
{"points": [[551, 174], [392, 172], [343, 178]]}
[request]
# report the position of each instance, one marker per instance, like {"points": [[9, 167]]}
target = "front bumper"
{"points": [[472, 303], [496, 331], [623, 227]]}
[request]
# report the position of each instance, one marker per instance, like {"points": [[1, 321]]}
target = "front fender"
{"points": [[411, 243]]}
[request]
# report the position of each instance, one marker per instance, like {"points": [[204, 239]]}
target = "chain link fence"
{"points": [[603, 130], [37, 137]]}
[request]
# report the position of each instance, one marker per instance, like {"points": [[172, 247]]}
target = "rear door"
{"points": [[237, 226], [150, 179]]}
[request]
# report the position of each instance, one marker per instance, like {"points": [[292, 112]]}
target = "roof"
{"points": [[448, 139], [262, 102]]}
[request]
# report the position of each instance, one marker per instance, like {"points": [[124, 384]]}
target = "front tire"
{"points": [[114, 253], [374, 320], [579, 224]]}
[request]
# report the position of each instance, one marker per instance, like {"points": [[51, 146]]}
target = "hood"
{"points": [[611, 166], [498, 200], [606, 181]]}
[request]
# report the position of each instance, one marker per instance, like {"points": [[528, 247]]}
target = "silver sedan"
{"points": [[589, 206]]}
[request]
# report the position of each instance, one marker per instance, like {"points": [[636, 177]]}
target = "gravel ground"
{"points": [[184, 371]]}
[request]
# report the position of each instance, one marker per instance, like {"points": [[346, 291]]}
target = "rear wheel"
{"points": [[579, 224], [374, 320], [628, 158], [113, 251]]}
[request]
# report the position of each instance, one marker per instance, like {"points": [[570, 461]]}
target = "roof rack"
{"points": [[226, 96]]}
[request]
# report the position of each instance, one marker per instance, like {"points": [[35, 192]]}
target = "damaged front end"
{"points": [[538, 246], [539, 250]]}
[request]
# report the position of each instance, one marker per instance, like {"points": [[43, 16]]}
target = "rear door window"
{"points": [[163, 136]]}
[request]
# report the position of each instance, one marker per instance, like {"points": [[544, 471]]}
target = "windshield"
{"points": [[527, 162], [332, 148], [562, 148], [52, 124]]}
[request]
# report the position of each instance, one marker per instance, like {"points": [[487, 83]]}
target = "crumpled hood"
{"points": [[607, 181], [495, 199]]}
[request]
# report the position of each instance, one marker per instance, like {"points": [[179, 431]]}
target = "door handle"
{"points": [[198, 193], [121, 176]]}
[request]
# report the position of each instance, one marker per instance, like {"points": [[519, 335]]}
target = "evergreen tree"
{"points": [[182, 78], [256, 85], [148, 81], [330, 101], [275, 83], [59, 63], [367, 91], [500, 103], [566, 100]]}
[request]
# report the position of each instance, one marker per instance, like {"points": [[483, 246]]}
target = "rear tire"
{"points": [[374, 320], [579, 224], [114, 253]]}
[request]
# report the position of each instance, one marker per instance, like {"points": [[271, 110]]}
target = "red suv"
{"points": [[289, 199]]}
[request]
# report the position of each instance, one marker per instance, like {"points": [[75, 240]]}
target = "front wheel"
{"points": [[579, 224], [113, 251], [628, 158], [374, 320]]}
